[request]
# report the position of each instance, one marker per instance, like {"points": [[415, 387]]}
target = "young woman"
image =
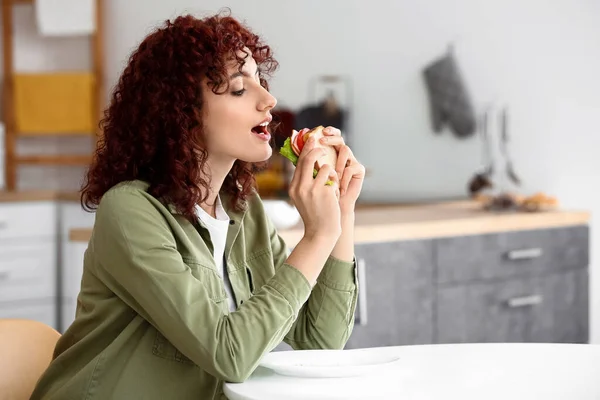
{"points": [[186, 283]]}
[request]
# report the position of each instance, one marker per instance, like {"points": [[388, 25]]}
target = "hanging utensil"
{"points": [[487, 149], [483, 179], [504, 138]]}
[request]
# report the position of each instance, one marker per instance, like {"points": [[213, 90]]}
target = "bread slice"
{"points": [[331, 154]]}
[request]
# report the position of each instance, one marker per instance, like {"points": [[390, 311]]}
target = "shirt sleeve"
{"points": [[136, 256], [326, 320]]}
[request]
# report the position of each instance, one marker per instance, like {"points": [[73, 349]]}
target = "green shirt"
{"points": [[152, 316]]}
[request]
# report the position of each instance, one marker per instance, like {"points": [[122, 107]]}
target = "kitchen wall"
{"points": [[539, 57]]}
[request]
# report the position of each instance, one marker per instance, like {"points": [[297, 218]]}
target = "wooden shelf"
{"points": [[13, 160], [63, 159]]}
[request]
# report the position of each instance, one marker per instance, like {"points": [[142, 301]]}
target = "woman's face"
{"points": [[232, 119]]}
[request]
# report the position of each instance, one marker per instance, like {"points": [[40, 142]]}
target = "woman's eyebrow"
{"points": [[238, 74]]}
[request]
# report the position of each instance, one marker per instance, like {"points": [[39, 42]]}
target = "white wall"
{"points": [[540, 57]]}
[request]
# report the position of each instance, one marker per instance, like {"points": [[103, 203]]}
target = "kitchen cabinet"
{"points": [[39, 279], [70, 268], [520, 286], [28, 257], [72, 273], [396, 294]]}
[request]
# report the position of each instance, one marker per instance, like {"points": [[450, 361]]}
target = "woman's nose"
{"points": [[267, 101]]}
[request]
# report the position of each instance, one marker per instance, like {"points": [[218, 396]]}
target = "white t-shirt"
{"points": [[218, 227]]}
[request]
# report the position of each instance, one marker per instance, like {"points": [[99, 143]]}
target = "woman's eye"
{"points": [[238, 92]]}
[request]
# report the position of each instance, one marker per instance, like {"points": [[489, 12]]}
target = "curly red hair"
{"points": [[152, 129]]}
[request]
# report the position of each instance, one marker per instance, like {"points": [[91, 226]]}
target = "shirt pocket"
{"points": [[164, 349], [259, 268], [210, 279]]}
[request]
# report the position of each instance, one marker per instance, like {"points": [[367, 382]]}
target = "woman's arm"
{"points": [[327, 318], [344, 248]]}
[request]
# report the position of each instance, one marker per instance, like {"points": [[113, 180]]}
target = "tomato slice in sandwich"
{"points": [[297, 141], [300, 139]]}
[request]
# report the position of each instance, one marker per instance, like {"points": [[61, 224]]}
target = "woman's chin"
{"points": [[258, 156]]}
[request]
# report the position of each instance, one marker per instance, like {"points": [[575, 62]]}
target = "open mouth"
{"points": [[262, 131]]}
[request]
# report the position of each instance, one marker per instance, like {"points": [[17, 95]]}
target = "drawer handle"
{"points": [[362, 293], [525, 301], [525, 254]]}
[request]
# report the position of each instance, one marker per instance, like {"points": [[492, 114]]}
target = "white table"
{"points": [[454, 371]]}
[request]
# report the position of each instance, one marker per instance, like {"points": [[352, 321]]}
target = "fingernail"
{"points": [[323, 140]]}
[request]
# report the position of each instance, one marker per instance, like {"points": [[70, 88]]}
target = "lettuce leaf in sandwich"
{"points": [[287, 152]]}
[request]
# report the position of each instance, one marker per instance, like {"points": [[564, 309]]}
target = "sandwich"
{"points": [[292, 147]]}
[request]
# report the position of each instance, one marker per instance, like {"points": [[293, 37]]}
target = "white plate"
{"points": [[327, 363]]}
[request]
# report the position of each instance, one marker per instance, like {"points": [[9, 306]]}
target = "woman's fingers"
{"points": [[326, 173]]}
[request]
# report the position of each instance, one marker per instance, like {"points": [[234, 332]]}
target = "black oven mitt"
{"points": [[448, 97]]}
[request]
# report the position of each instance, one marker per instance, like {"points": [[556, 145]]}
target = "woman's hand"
{"points": [[316, 202], [350, 172]]}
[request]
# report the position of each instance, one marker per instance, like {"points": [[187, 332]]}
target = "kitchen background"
{"points": [[539, 58]]}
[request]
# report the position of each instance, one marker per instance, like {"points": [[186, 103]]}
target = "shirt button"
{"points": [[231, 222]]}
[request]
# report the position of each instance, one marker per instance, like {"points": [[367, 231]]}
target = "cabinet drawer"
{"points": [[43, 312], [27, 270], [27, 219], [507, 254], [552, 308]]}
